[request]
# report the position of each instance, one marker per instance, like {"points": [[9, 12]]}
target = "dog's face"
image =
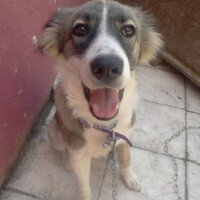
{"points": [[98, 46]]}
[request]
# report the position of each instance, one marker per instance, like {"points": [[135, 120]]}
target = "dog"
{"points": [[96, 47]]}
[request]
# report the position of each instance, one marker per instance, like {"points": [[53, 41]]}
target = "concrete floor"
{"points": [[168, 101]]}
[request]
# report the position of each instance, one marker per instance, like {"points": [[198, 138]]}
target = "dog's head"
{"points": [[97, 46]]}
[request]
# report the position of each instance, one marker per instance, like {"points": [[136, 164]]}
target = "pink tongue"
{"points": [[104, 102]]}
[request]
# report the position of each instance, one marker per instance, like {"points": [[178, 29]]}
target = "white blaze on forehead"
{"points": [[105, 44], [105, 41], [104, 18]]}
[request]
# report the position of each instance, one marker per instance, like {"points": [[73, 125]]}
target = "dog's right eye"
{"points": [[80, 30]]}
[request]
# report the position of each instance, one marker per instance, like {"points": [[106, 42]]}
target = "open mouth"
{"points": [[104, 103]]}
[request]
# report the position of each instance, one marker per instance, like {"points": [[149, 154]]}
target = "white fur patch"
{"points": [[104, 18]]}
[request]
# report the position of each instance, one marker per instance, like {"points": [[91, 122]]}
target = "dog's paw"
{"points": [[131, 182]]}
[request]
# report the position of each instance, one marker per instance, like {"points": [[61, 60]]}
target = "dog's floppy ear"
{"points": [[51, 41], [151, 42]]}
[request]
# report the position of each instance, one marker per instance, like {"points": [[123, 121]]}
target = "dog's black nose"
{"points": [[107, 67]]}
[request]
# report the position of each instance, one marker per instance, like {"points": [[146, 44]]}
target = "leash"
{"points": [[114, 171]]}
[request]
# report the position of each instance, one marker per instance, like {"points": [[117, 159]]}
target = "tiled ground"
{"points": [[167, 102]]}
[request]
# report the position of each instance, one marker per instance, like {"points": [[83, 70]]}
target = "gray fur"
{"points": [[72, 131]]}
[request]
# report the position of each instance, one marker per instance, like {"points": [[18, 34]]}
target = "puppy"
{"points": [[97, 47]]}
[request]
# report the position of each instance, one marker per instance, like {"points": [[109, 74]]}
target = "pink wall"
{"points": [[25, 76]]}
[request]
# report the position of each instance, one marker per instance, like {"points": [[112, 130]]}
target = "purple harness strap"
{"points": [[110, 132], [118, 135]]}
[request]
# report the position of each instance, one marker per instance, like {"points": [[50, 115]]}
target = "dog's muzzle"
{"points": [[104, 101]]}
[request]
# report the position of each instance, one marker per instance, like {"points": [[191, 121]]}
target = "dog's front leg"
{"points": [[129, 177], [81, 167]]}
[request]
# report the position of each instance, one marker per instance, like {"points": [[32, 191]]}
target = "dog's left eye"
{"points": [[128, 30], [80, 30]]}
